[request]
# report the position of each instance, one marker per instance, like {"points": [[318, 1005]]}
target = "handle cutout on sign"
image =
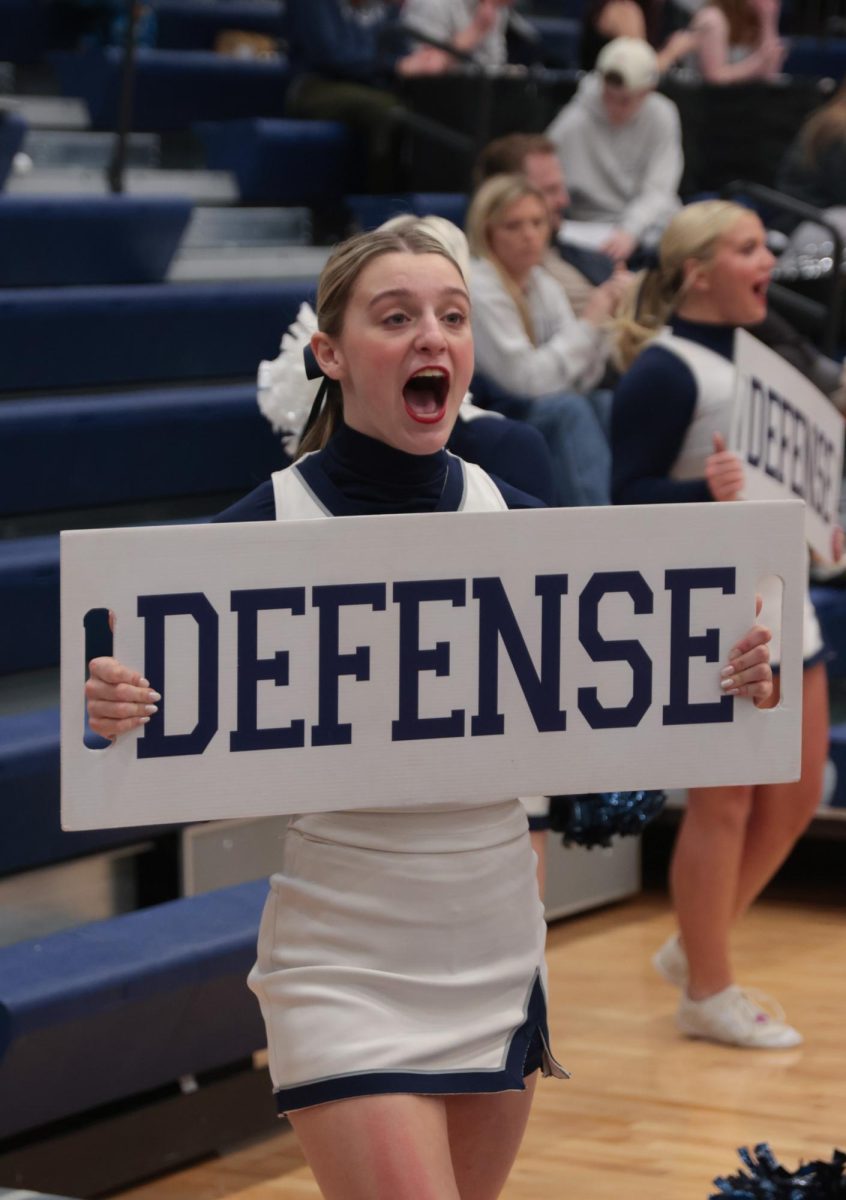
{"points": [[770, 588], [99, 643]]}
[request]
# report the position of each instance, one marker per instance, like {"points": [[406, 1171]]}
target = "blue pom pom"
{"points": [[767, 1180], [593, 819]]}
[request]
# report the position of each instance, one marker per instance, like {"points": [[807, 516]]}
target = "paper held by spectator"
{"points": [[790, 437], [590, 235]]}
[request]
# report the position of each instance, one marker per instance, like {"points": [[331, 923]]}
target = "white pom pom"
{"points": [[285, 393]]}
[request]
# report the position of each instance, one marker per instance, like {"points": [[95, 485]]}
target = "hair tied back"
{"points": [[313, 371]]}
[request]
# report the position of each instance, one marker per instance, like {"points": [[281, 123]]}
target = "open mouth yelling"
{"points": [[425, 395]]}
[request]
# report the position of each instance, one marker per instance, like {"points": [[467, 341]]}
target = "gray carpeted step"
{"points": [[61, 148], [210, 263], [246, 227], [247, 243], [203, 187], [49, 112], [29, 691]]}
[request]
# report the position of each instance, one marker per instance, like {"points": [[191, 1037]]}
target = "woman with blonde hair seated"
{"points": [[529, 343]]}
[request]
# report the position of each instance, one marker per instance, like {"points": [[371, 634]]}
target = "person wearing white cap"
{"points": [[619, 143]]}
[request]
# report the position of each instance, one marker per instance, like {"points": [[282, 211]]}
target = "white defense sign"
{"points": [[790, 437], [367, 661]]}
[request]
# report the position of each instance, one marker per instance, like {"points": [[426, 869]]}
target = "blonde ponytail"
{"points": [[643, 312]]}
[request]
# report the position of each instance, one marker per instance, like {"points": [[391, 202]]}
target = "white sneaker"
{"points": [[733, 1016], [671, 962]]}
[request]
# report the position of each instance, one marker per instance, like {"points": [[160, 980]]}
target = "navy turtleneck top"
{"points": [[356, 475], [653, 405]]}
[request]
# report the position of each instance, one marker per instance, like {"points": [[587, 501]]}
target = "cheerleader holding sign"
{"points": [[670, 425], [400, 961]]}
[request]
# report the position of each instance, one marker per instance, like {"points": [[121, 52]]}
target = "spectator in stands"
{"points": [[671, 414], [737, 40], [578, 269], [814, 167], [619, 144], [528, 340], [474, 27], [605, 20], [345, 55]]}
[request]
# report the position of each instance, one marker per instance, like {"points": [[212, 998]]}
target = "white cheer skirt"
{"points": [[402, 951]]}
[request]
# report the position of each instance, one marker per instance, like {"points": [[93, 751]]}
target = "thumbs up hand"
{"points": [[723, 472]]}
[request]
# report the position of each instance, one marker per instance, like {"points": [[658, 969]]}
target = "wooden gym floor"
{"points": [[647, 1115]]}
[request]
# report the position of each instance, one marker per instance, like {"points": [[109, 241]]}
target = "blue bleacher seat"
{"points": [[49, 240], [29, 601], [23, 30], [97, 336], [12, 133], [573, 9], [30, 830], [371, 211], [285, 161], [816, 57], [173, 88], [73, 1005], [84, 451], [560, 41], [195, 24]]}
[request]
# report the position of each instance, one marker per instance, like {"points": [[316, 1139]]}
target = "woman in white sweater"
{"points": [[530, 343]]}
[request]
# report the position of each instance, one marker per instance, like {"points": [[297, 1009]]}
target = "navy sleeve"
{"points": [[325, 40], [510, 450], [653, 406], [514, 498], [257, 505]]}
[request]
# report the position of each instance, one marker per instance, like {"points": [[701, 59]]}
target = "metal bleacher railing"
{"points": [[117, 165], [818, 18]]}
